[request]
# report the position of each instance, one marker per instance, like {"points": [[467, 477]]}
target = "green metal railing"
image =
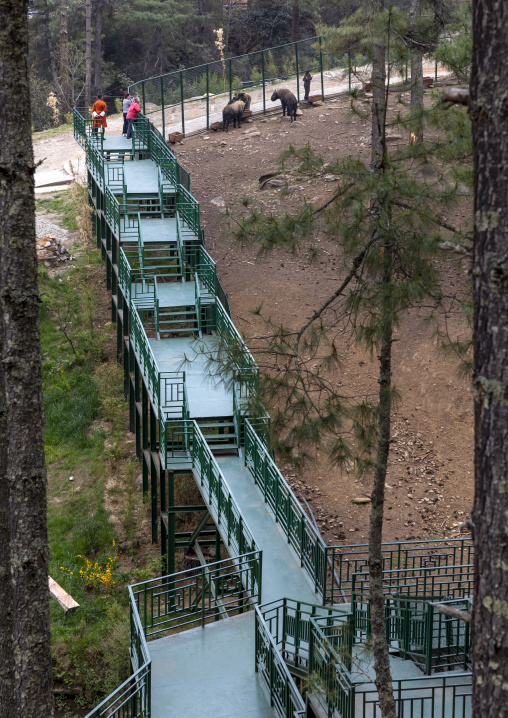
{"points": [[195, 597], [288, 512], [345, 561], [433, 641], [146, 358], [273, 671], [133, 698], [288, 622], [188, 209], [440, 581], [183, 445]]}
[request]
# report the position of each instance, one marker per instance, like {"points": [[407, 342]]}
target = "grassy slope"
{"points": [[86, 438]]}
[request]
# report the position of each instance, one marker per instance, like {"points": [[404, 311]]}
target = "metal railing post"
{"points": [[321, 67], [207, 97], [349, 69], [230, 81], [143, 96], [297, 73], [163, 113], [182, 103], [263, 74]]}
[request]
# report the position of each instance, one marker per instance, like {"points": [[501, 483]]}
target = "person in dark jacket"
{"points": [[132, 115], [307, 78], [127, 102]]}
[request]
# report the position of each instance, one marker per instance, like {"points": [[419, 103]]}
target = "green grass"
{"points": [[51, 132], [60, 203]]}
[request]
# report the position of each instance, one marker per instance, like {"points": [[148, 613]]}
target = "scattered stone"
{"points": [[218, 202], [317, 104], [360, 500], [51, 251]]}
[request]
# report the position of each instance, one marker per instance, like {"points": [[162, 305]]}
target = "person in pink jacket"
{"points": [[132, 115]]}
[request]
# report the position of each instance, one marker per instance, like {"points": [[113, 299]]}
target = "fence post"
{"points": [[230, 81], [321, 67], [297, 73], [263, 73], [349, 69], [143, 96], [163, 113], [207, 97], [435, 72], [181, 101]]}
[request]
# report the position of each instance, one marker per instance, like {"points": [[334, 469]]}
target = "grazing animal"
{"points": [[244, 97], [232, 114], [288, 102]]}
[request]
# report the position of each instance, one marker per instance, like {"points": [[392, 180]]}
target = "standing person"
{"points": [[307, 78], [132, 115], [127, 102], [99, 110]]}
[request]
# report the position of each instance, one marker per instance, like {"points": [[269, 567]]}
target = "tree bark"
{"points": [[47, 32], [415, 13], [88, 52], [23, 476], [377, 598], [64, 54], [295, 23], [99, 8], [488, 108]]}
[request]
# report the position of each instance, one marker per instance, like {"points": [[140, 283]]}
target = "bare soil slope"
{"points": [[430, 484]]}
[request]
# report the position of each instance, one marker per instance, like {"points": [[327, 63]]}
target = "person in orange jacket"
{"points": [[99, 114]]}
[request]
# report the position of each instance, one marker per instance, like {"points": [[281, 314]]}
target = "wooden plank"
{"points": [[64, 599]]}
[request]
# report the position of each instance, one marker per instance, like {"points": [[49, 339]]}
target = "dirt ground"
{"points": [[430, 479]]}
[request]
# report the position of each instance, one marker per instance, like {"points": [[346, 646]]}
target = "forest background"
{"points": [[112, 43]]}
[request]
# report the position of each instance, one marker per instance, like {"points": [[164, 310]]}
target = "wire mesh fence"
{"points": [[193, 99]]}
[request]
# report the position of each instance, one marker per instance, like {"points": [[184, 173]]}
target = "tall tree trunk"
{"points": [[295, 23], [489, 89], [415, 13], [88, 52], [64, 55], [23, 476], [377, 600], [47, 32], [99, 8], [6, 626]]}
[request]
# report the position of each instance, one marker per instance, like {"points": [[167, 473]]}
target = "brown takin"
{"points": [[232, 114], [288, 102], [244, 97]]}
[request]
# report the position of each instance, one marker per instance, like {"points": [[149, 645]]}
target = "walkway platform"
{"points": [[141, 178], [173, 294], [116, 143], [208, 672], [282, 573], [208, 397], [158, 231]]}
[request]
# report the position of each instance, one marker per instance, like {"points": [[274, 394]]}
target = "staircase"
{"points": [[178, 321], [220, 433]]}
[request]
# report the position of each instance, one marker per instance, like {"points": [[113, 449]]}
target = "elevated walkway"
{"points": [[200, 644]]}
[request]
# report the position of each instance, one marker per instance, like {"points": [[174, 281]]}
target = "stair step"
{"points": [[229, 424]]}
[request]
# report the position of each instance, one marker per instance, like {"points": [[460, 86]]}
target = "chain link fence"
{"points": [[192, 99]]}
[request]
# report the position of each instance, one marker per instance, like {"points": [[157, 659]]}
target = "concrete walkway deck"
{"points": [[282, 573], [208, 672]]}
